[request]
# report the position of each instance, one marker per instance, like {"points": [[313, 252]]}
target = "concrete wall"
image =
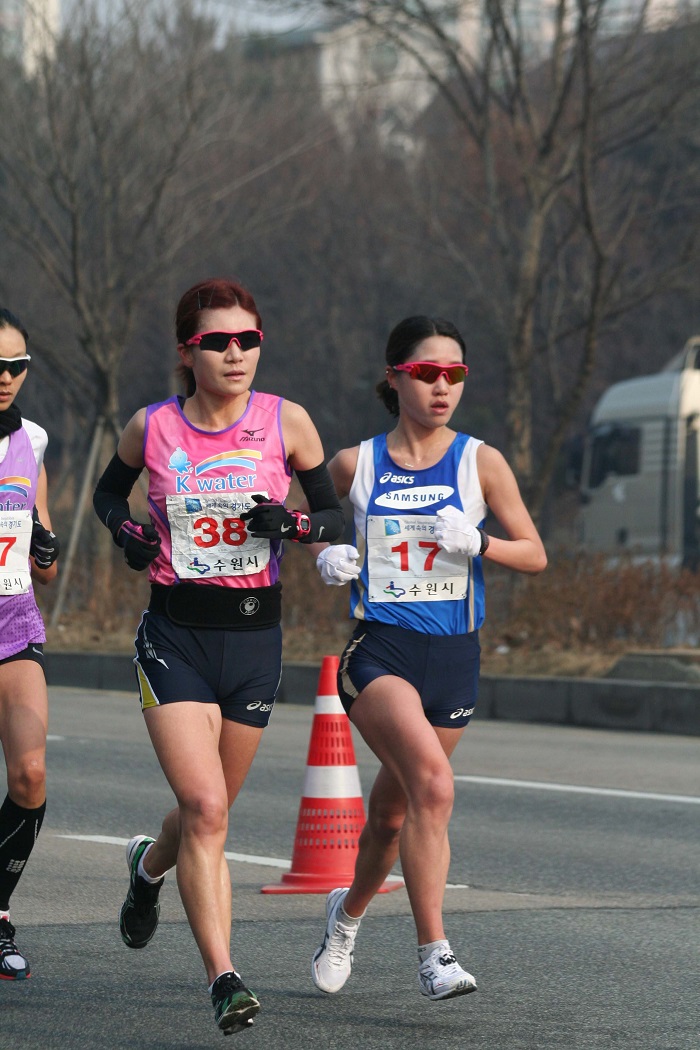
{"points": [[604, 703]]}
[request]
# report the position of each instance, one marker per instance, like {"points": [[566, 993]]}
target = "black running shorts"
{"points": [[237, 670], [33, 652]]}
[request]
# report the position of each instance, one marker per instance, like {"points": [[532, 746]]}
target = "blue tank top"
{"points": [[406, 578]]}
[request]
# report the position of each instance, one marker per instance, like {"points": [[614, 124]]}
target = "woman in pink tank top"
{"points": [[208, 648], [28, 551]]}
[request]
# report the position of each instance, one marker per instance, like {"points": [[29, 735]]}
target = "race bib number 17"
{"points": [[406, 564], [15, 538]]}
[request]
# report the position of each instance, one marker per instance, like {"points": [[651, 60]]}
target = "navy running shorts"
{"points": [[443, 669], [239, 671]]}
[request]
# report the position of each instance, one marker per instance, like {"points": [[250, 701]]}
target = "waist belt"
{"points": [[202, 605]]}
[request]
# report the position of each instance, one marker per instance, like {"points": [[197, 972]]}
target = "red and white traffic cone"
{"points": [[331, 812]]}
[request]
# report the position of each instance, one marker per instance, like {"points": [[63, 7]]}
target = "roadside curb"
{"points": [[598, 703]]}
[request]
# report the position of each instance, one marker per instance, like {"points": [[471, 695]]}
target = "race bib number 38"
{"points": [[210, 540], [405, 563], [15, 538]]}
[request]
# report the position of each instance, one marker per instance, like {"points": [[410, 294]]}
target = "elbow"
{"points": [[540, 563]]}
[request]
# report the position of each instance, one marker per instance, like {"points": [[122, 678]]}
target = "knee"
{"points": [[204, 815], [435, 793], [26, 783]]}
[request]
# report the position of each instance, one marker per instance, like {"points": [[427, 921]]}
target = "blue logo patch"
{"points": [[180, 462], [391, 527], [199, 566]]}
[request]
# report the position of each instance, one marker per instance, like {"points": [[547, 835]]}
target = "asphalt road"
{"points": [[574, 900]]}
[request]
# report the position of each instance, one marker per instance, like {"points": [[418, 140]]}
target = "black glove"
{"points": [[140, 543], [272, 521], [44, 546]]}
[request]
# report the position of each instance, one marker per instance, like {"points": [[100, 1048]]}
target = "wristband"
{"points": [[303, 524], [485, 540]]}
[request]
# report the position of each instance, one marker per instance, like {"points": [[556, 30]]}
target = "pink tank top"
{"points": [[20, 620], [202, 481]]}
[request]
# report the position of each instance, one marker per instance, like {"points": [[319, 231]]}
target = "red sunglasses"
{"points": [[221, 341], [429, 372]]}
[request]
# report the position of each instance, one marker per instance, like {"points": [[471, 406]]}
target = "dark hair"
{"points": [[10, 320], [403, 340], [212, 294]]}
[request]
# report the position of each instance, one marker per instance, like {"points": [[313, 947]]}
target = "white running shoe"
{"points": [[332, 962], [441, 976]]}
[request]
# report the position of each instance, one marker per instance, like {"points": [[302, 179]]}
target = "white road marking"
{"points": [[242, 858], [536, 785]]}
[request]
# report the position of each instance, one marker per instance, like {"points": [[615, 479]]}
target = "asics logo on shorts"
{"points": [[462, 712], [258, 706]]}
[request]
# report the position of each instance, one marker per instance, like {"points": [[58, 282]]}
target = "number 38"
{"points": [[231, 531]]}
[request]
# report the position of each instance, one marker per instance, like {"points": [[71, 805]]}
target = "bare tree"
{"points": [[133, 143], [549, 107], [115, 159]]}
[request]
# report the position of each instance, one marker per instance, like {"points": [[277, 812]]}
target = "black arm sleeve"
{"points": [[326, 514], [111, 498]]}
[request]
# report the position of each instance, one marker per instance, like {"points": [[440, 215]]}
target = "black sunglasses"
{"points": [[221, 341], [14, 365]]}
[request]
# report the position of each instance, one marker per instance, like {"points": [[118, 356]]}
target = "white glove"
{"points": [[338, 565], [454, 533]]}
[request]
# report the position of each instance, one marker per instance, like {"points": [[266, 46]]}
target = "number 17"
{"points": [[402, 550]]}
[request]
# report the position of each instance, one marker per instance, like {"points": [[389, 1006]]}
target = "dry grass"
{"points": [[584, 612], [576, 619]]}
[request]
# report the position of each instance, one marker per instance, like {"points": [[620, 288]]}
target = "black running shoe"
{"points": [[235, 1006], [13, 965], [138, 918]]}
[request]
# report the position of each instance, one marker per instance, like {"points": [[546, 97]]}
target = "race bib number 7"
{"points": [[406, 564], [210, 540], [15, 538]]}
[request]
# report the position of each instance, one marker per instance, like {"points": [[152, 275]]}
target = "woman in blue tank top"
{"points": [[408, 676]]}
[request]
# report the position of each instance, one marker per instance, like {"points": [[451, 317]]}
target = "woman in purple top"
{"points": [[28, 551]]}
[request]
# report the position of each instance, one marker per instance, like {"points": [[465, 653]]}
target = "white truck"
{"points": [[640, 477]]}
